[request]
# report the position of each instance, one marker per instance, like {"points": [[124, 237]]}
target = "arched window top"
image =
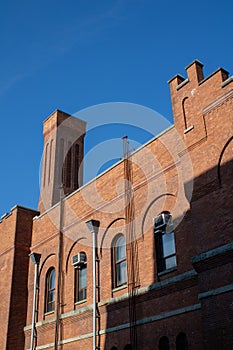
{"points": [[186, 111], [120, 247], [181, 341], [164, 343], [51, 278], [50, 290], [45, 162], [119, 239]]}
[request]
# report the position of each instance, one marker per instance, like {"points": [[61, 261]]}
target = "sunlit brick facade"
{"points": [[181, 269]]}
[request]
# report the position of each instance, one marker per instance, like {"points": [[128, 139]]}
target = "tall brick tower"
{"points": [[62, 157]]}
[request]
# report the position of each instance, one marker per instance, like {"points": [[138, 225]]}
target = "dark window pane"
{"points": [[165, 243], [168, 244], [119, 262], [50, 290], [120, 249], [81, 283], [82, 278], [121, 272], [52, 279], [170, 262]]}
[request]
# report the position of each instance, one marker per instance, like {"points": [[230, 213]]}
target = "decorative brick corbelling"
{"points": [[218, 102]]}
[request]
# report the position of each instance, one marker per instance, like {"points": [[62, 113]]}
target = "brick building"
{"points": [[164, 245]]}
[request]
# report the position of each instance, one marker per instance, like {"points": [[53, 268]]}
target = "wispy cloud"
{"points": [[44, 52], [8, 84]]}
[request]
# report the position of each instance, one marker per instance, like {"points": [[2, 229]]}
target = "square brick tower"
{"points": [[62, 167]]}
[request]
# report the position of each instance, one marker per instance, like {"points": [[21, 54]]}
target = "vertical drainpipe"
{"points": [[93, 226], [59, 256], [36, 260]]}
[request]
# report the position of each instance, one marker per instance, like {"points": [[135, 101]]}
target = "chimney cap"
{"points": [[194, 61], [178, 77]]}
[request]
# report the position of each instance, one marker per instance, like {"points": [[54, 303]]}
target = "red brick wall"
{"points": [[163, 172], [15, 235]]}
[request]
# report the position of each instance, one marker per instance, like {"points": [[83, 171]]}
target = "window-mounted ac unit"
{"points": [[161, 221], [79, 259]]}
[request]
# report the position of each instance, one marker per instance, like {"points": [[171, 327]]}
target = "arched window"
{"points": [[76, 166], [45, 162], [80, 292], [68, 165], [61, 162], [164, 241], [181, 341], [50, 290], [187, 113], [119, 261], [50, 160], [164, 343]]}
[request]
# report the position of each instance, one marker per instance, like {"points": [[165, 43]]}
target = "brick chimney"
{"points": [[62, 157]]}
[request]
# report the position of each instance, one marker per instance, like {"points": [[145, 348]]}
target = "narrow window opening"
{"points": [[164, 343], [119, 262], [45, 163], [80, 280], [76, 166], [164, 242], [50, 160], [181, 341], [61, 162], [50, 290], [68, 166]]}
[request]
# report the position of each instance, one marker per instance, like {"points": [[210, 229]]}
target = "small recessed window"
{"points": [[164, 343], [50, 290], [164, 242], [119, 262], [181, 341]]}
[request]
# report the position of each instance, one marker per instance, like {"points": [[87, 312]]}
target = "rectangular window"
{"points": [[166, 251], [164, 242]]}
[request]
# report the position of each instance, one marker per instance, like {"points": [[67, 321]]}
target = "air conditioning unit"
{"points": [[79, 259], [162, 220]]}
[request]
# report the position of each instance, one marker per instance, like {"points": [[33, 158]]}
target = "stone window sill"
{"points": [[80, 302], [167, 271], [119, 288], [188, 129]]}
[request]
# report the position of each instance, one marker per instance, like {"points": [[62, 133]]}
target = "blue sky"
{"points": [[75, 54]]}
